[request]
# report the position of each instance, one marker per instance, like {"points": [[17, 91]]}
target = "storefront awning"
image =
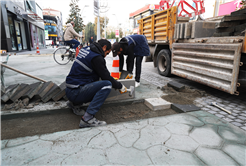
{"points": [[33, 16]]}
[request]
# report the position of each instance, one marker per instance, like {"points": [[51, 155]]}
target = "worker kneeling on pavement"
{"points": [[134, 46], [83, 85]]}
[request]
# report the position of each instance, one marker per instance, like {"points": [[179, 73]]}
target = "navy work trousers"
{"points": [[95, 93]]}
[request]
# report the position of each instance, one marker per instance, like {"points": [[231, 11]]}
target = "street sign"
{"points": [[96, 7], [46, 32], [117, 33]]}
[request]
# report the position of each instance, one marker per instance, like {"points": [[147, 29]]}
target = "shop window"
{"points": [[23, 36], [40, 37], [12, 33]]}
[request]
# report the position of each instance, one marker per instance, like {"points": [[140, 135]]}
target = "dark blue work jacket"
{"points": [[81, 72], [141, 47]]}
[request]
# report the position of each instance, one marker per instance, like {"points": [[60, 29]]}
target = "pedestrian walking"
{"points": [[91, 40], [135, 47], [83, 85]]}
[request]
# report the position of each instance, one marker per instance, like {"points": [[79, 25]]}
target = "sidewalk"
{"points": [[197, 138]]}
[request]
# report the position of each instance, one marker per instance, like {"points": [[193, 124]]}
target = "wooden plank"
{"points": [[233, 18], [183, 19]]}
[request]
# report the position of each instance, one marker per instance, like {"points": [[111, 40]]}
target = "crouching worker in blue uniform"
{"points": [[135, 47], [83, 85]]}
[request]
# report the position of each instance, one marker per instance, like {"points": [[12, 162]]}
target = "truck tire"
{"points": [[164, 62]]}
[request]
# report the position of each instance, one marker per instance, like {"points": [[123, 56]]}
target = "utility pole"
{"points": [[104, 8]]}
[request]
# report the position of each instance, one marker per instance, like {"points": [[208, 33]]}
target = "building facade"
{"points": [[141, 13], [53, 24], [22, 26]]}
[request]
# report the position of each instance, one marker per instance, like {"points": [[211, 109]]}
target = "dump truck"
{"points": [[210, 51]]}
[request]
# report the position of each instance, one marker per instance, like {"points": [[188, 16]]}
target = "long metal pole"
{"points": [[98, 27], [22, 72]]}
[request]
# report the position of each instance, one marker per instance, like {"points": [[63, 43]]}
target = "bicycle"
{"points": [[63, 55]]}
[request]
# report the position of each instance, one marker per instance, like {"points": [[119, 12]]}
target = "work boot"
{"points": [[77, 110], [91, 123]]}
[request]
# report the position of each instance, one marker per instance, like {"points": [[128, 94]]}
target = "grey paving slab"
{"points": [[207, 135], [183, 143], [157, 104], [102, 141], [148, 137], [232, 135], [127, 137], [237, 152], [184, 108], [161, 155], [85, 157], [207, 156], [154, 141], [125, 156], [25, 153], [185, 119]]}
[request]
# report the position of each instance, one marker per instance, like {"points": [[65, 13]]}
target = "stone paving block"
{"points": [[44, 89], [237, 124], [183, 143], [185, 108], [236, 151], [223, 113], [242, 118], [123, 74], [179, 129], [61, 93], [230, 134], [220, 116], [86, 157], [127, 137], [54, 90], [127, 156], [157, 104], [26, 152], [51, 159], [116, 95], [161, 155], [230, 116], [103, 140], [10, 92], [2, 90], [202, 29], [175, 85], [34, 88], [207, 136], [214, 157], [212, 112], [188, 27], [238, 120], [70, 147], [182, 30], [149, 137], [228, 119], [18, 94]]}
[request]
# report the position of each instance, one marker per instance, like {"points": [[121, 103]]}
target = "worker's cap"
{"points": [[115, 48]]}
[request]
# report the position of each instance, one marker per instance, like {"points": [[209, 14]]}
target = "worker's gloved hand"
{"points": [[129, 76], [123, 89]]}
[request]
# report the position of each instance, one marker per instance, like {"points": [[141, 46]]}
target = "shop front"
{"points": [[19, 32]]}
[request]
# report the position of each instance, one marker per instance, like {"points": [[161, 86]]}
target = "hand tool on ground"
{"points": [[216, 105]]}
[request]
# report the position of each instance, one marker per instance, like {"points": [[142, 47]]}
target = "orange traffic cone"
{"points": [[115, 68], [38, 52]]}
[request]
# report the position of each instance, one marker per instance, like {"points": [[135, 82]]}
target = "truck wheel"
{"points": [[164, 62]]}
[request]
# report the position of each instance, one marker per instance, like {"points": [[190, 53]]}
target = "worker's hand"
{"points": [[76, 38], [123, 89], [129, 76]]}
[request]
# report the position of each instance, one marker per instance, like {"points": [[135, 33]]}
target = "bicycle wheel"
{"points": [[61, 56]]}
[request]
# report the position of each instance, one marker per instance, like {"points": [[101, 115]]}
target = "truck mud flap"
{"points": [[215, 65]]}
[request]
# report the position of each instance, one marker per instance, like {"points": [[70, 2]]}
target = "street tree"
{"points": [[102, 24], [89, 31], [75, 16]]}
